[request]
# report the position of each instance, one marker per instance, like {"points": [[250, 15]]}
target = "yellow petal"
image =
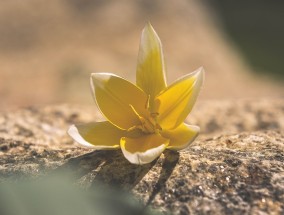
{"points": [[143, 149], [115, 96], [176, 102], [181, 136], [98, 135], [150, 74]]}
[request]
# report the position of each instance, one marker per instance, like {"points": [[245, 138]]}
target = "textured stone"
{"points": [[234, 167]]}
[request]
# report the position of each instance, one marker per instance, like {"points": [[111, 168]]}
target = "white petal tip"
{"points": [[74, 133], [148, 26], [199, 72], [146, 157], [195, 128], [101, 77], [149, 33]]}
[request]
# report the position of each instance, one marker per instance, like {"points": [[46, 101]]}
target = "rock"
{"points": [[234, 167]]}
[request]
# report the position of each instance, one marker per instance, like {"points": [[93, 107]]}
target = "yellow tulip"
{"points": [[143, 119]]}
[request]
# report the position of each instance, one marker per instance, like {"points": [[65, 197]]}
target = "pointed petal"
{"points": [[181, 136], [97, 135], [143, 149], [115, 96], [150, 74], [176, 102]]}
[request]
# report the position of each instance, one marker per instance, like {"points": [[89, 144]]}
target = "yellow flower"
{"points": [[146, 118]]}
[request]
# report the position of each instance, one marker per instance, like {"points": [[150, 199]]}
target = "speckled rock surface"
{"points": [[236, 166]]}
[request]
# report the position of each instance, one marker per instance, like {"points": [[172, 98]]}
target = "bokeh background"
{"points": [[49, 48]]}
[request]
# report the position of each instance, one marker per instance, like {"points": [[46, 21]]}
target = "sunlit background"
{"points": [[49, 48]]}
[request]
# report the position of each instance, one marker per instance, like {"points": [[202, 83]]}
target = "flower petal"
{"points": [[181, 136], [150, 73], [176, 102], [98, 135], [115, 96], [143, 149]]}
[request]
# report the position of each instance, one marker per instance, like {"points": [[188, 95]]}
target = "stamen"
{"points": [[147, 105], [154, 115], [132, 128], [158, 127], [149, 124], [136, 113]]}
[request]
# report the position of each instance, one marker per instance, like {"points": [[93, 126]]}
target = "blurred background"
{"points": [[49, 48]]}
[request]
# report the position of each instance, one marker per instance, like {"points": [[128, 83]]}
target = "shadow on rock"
{"points": [[120, 173], [84, 164], [169, 163], [110, 168]]}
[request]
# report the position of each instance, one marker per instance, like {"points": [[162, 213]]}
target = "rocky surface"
{"points": [[236, 166]]}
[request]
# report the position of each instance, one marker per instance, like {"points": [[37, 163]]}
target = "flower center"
{"points": [[148, 124]]}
